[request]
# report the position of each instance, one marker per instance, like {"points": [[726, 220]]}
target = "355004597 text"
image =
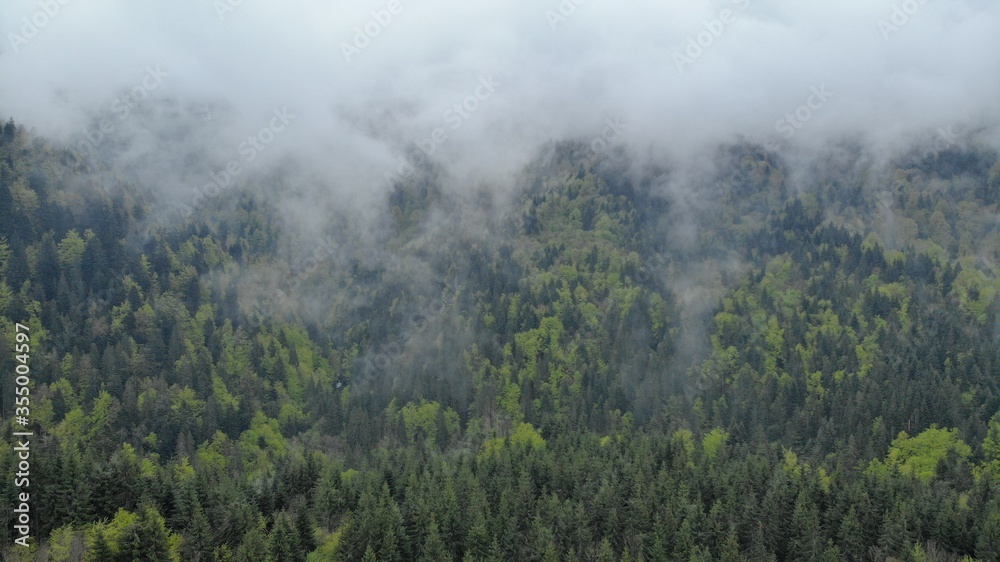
{"points": [[22, 438]]}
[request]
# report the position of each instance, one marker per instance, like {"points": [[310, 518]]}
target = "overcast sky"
{"points": [[366, 79]]}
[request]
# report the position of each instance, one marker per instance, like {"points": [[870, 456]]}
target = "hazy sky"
{"points": [[482, 84]]}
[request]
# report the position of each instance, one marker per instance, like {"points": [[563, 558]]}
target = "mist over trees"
{"points": [[792, 362], [466, 281]]}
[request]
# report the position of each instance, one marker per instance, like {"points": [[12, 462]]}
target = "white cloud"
{"points": [[607, 59]]}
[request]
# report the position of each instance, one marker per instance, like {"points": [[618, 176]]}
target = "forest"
{"points": [[802, 367]]}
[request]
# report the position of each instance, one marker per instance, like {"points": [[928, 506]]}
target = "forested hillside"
{"points": [[786, 365]]}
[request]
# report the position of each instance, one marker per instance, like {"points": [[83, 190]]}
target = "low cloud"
{"points": [[563, 68]]}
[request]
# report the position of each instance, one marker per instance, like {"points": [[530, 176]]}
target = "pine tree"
{"points": [[200, 535], [146, 539], [99, 551], [434, 549], [283, 541], [304, 527], [851, 538], [254, 544], [551, 553], [478, 540], [48, 272], [730, 549], [806, 538], [684, 541], [9, 130], [988, 543], [700, 554], [390, 550], [832, 554], [6, 210], [604, 552]]}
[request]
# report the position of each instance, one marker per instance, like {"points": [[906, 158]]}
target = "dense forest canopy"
{"points": [[802, 365]]}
